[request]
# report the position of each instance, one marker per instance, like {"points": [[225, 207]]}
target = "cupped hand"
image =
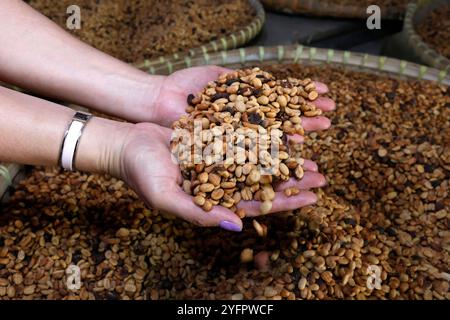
{"points": [[171, 99], [148, 168]]}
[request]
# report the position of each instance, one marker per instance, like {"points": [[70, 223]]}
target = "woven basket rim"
{"points": [[420, 47], [300, 53], [8, 172], [231, 41], [328, 9]]}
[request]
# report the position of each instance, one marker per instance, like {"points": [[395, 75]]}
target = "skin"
{"points": [[60, 66]]}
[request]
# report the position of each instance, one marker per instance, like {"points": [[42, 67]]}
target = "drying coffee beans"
{"points": [[435, 30], [56, 218], [233, 143], [134, 30]]}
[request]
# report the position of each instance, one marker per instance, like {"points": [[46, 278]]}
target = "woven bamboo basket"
{"points": [[233, 40], [8, 173], [415, 44], [335, 8], [279, 54], [302, 54]]}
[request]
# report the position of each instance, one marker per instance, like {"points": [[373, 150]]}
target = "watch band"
{"points": [[71, 139]]}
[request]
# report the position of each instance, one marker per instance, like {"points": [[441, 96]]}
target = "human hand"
{"points": [[170, 100], [147, 166]]}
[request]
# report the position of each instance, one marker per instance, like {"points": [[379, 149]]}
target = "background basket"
{"points": [[112, 26], [416, 13], [303, 54], [232, 41], [8, 173], [280, 54], [337, 8]]}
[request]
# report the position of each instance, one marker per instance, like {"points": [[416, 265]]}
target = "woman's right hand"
{"points": [[147, 166]]}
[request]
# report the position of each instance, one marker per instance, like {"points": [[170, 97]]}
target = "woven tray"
{"points": [[231, 41], [8, 173], [335, 8], [414, 15], [303, 54], [280, 54]]}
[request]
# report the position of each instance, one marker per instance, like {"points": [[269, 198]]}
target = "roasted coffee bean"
{"points": [[190, 97], [249, 107], [218, 96], [254, 118]]}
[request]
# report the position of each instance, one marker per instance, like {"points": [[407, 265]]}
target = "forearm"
{"points": [[38, 55], [32, 131]]}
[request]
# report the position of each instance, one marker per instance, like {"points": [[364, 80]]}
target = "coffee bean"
{"points": [[263, 100], [265, 207], [256, 82], [206, 187], [199, 200], [391, 95], [247, 255], [218, 96], [217, 194], [254, 118], [313, 95], [190, 97], [231, 81]]}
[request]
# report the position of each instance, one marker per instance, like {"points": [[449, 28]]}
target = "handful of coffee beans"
{"points": [[233, 144]]}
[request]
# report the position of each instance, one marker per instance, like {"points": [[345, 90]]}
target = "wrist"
{"points": [[140, 98], [126, 93], [101, 146]]}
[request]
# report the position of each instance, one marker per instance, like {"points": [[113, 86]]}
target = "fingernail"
{"points": [[230, 226]]}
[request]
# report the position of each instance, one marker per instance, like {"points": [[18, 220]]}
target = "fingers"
{"points": [[166, 133], [280, 203], [321, 88], [296, 139], [182, 205], [310, 180], [310, 166], [196, 78], [315, 123], [325, 104], [223, 70]]}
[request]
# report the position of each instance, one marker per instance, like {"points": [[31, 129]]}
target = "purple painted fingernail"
{"points": [[230, 226]]}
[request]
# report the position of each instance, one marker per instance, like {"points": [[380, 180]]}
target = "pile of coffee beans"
{"points": [[246, 112], [435, 30], [134, 30], [385, 208]]}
